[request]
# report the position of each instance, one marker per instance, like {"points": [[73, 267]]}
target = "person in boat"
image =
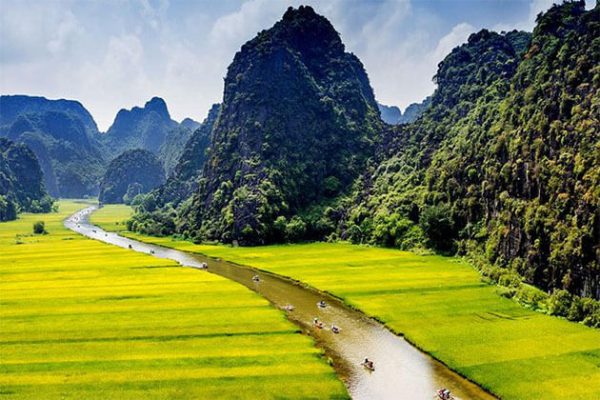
{"points": [[130, 247], [317, 323], [322, 304], [368, 364], [256, 278], [444, 394]]}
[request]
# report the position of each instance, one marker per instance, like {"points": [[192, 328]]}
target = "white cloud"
{"points": [[457, 36], [112, 54]]}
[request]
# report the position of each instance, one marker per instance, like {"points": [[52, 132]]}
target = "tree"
{"points": [[39, 228]]}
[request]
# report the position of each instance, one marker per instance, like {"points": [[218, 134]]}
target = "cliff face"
{"points": [[505, 160], [541, 175], [21, 182], [297, 123], [70, 157], [133, 172], [140, 128], [183, 181]]}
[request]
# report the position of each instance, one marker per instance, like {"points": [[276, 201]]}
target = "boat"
{"points": [[368, 364], [335, 329], [322, 304], [256, 278], [444, 394]]}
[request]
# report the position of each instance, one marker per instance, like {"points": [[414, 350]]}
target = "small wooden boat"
{"points": [[368, 364], [444, 394]]}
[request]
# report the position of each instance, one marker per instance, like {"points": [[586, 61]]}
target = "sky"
{"points": [[113, 54]]}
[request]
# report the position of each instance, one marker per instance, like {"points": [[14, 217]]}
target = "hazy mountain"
{"points": [[140, 128], [11, 107], [389, 114], [131, 173], [21, 183]]}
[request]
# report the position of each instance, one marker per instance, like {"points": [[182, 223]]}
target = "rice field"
{"points": [[439, 304], [80, 319]]}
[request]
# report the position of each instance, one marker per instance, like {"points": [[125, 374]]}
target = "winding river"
{"points": [[401, 370]]}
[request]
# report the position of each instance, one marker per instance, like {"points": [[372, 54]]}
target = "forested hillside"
{"points": [[502, 164], [21, 184], [68, 151], [132, 173], [140, 128], [11, 107], [297, 124], [505, 161], [63, 136]]}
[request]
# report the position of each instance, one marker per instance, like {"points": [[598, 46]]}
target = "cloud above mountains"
{"points": [[119, 53]]}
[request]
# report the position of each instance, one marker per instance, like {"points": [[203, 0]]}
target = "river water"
{"points": [[401, 370]]}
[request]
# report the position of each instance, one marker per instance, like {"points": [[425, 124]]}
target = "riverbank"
{"points": [[86, 320], [438, 303]]}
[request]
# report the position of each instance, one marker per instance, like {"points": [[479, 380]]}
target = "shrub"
{"points": [[437, 224], [559, 303], [39, 228], [8, 209], [295, 229]]}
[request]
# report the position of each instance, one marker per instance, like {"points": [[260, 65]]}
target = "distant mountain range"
{"points": [[73, 154], [393, 116]]}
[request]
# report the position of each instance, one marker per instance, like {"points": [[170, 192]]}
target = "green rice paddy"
{"points": [[80, 319], [439, 304]]}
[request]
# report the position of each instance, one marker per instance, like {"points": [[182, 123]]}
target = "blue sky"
{"points": [[113, 54]]}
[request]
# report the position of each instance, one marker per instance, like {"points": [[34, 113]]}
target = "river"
{"points": [[401, 370]]}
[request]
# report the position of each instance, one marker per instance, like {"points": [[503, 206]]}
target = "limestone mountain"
{"points": [[21, 183], [414, 111], [297, 124], [11, 107], [132, 173], [504, 163], [140, 128], [64, 138], [183, 181], [389, 114], [393, 116]]}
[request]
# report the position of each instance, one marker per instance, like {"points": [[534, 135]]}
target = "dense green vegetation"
{"points": [[502, 165], [171, 149], [297, 123], [438, 303], [506, 157], [133, 173], [86, 320], [21, 184]]}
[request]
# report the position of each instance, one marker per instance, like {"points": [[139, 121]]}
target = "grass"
{"points": [[80, 319], [441, 305]]}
